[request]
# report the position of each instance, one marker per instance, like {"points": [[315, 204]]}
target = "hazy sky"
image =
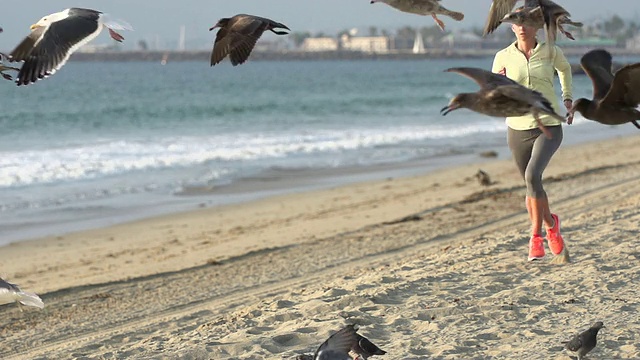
{"points": [[162, 18]]}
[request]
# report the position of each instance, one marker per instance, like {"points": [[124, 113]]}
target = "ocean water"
{"points": [[102, 143]]}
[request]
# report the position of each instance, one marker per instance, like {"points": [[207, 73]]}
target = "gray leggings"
{"points": [[532, 152]]}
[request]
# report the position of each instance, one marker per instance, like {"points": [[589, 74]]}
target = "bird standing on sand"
{"points": [[501, 97], [584, 342], [10, 293], [552, 15], [55, 37], [423, 7], [483, 178], [238, 35], [615, 97], [535, 18]]}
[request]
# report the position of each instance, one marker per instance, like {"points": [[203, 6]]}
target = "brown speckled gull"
{"points": [[423, 7], [500, 96], [238, 35], [615, 96]]}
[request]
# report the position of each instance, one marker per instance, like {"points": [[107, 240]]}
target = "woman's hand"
{"points": [[568, 104]]}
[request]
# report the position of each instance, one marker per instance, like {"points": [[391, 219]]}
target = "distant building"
{"points": [[462, 40], [633, 43], [319, 44], [272, 46], [367, 44]]}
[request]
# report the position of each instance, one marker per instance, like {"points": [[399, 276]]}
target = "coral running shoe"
{"points": [[536, 248], [556, 243]]}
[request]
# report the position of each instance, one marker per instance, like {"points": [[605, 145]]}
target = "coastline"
{"points": [[420, 263], [274, 182], [204, 55]]}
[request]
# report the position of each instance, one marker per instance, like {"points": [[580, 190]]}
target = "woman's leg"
{"points": [[521, 146], [532, 154], [543, 150]]}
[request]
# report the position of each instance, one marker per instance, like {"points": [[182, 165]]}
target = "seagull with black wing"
{"points": [[55, 37], [10, 293]]}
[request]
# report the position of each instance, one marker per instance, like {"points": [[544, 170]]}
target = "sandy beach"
{"points": [[429, 267]]}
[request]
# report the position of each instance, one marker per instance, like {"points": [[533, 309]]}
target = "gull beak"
{"points": [[447, 109], [214, 27], [34, 26]]}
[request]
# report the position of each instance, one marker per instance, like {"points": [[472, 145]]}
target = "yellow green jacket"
{"points": [[537, 74]]}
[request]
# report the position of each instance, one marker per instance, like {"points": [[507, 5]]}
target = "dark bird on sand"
{"points": [[615, 96], [584, 342], [56, 36], [10, 293], [534, 17], [483, 178], [345, 344], [365, 349], [552, 15], [500, 96], [423, 7], [238, 35]]}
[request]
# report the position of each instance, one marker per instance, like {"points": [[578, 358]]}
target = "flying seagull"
{"points": [[10, 293], [534, 17], [552, 15], [238, 35], [501, 97], [55, 37], [423, 7], [615, 97], [584, 342]]}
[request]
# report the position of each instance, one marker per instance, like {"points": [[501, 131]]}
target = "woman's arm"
{"points": [[566, 79], [498, 66], [564, 73]]}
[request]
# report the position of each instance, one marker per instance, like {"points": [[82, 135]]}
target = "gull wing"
{"points": [[497, 11], [486, 79], [597, 65]]}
